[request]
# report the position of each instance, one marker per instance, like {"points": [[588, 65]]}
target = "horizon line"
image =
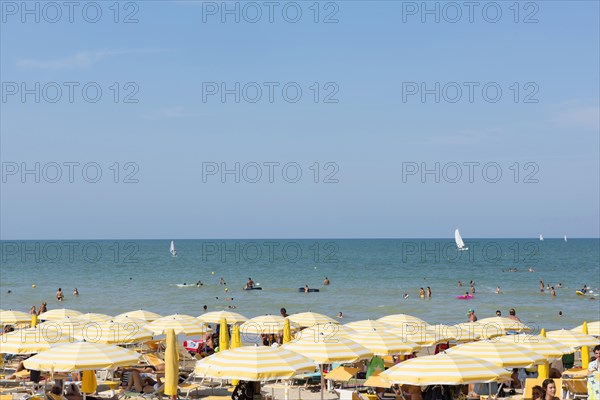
{"points": [[313, 238]]}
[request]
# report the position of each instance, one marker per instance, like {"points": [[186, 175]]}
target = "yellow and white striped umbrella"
{"points": [[94, 317], [407, 323], [58, 314], [140, 314], [498, 353], [367, 325], [307, 319], [593, 328], [124, 319], [81, 356], [8, 317], [383, 343], [573, 339], [254, 363], [326, 346], [444, 369], [68, 325], [451, 333], [505, 324], [547, 347], [476, 330], [265, 324], [32, 340], [181, 324], [428, 338], [215, 317], [114, 333]]}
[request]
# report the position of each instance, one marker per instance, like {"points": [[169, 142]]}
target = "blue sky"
{"points": [[365, 130]]}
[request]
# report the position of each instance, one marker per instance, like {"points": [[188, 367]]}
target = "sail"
{"points": [[541, 237], [565, 238], [459, 242], [172, 249]]}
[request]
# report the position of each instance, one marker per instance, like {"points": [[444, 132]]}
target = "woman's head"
{"points": [[537, 392], [549, 387]]}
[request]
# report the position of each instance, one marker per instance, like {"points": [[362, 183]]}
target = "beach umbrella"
{"points": [[368, 325], [94, 317], [572, 339], [544, 367], [476, 330], [446, 333], [125, 319], [545, 346], [113, 333], [307, 319], [326, 347], [254, 363], [68, 325], [265, 324], [383, 343], [505, 324], [223, 335], [585, 351], [593, 328], [82, 356], [9, 317], [32, 340], [181, 324], [89, 382], [444, 369], [407, 323], [140, 314], [214, 317], [498, 353], [287, 334], [58, 314], [171, 364]]}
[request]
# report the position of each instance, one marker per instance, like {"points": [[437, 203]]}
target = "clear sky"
{"points": [[461, 91]]}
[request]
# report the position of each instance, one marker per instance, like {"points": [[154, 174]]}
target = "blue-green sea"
{"points": [[368, 277]]}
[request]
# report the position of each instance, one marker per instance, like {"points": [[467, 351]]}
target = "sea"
{"points": [[368, 278]]}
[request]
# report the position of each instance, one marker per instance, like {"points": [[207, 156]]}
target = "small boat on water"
{"points": [[459, 242], [172, 249]]}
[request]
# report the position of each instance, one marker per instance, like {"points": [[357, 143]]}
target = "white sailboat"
{"points": [[459, 242], [565, 238], [172, 249], [541, 238]]}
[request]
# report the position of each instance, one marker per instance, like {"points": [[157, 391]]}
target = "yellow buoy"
{"points": [[226, 290], [34, 286], [213, 272]]}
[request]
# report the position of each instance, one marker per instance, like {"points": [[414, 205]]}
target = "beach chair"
{"points": [[190, 385], [576, 388]]}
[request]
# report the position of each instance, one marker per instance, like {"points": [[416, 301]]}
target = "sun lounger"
{"points": [[576, 388]]}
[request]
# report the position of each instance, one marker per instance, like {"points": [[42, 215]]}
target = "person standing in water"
{"points": [[326, 281], [422, 293], [60, 295], [542, 286], [428, 292]]}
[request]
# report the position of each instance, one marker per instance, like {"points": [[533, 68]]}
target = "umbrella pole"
{"points": [[322, 381]]}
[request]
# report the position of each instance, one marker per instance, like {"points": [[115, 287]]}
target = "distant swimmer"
{"points": [[326, 281], [498, 313], [422, 293], [205, 308], [232, 307], [560, 314], [498, 290], [249, 284], [559, 286], [222, 281], [584, 289], [552, 291], [43, 308], [460, 283], [60, 295], [75, 292], [340, 315], [531, 269], [472, 289], [306, 289], [283, 312], [542, 286], [428, 291], [405, 296]]}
